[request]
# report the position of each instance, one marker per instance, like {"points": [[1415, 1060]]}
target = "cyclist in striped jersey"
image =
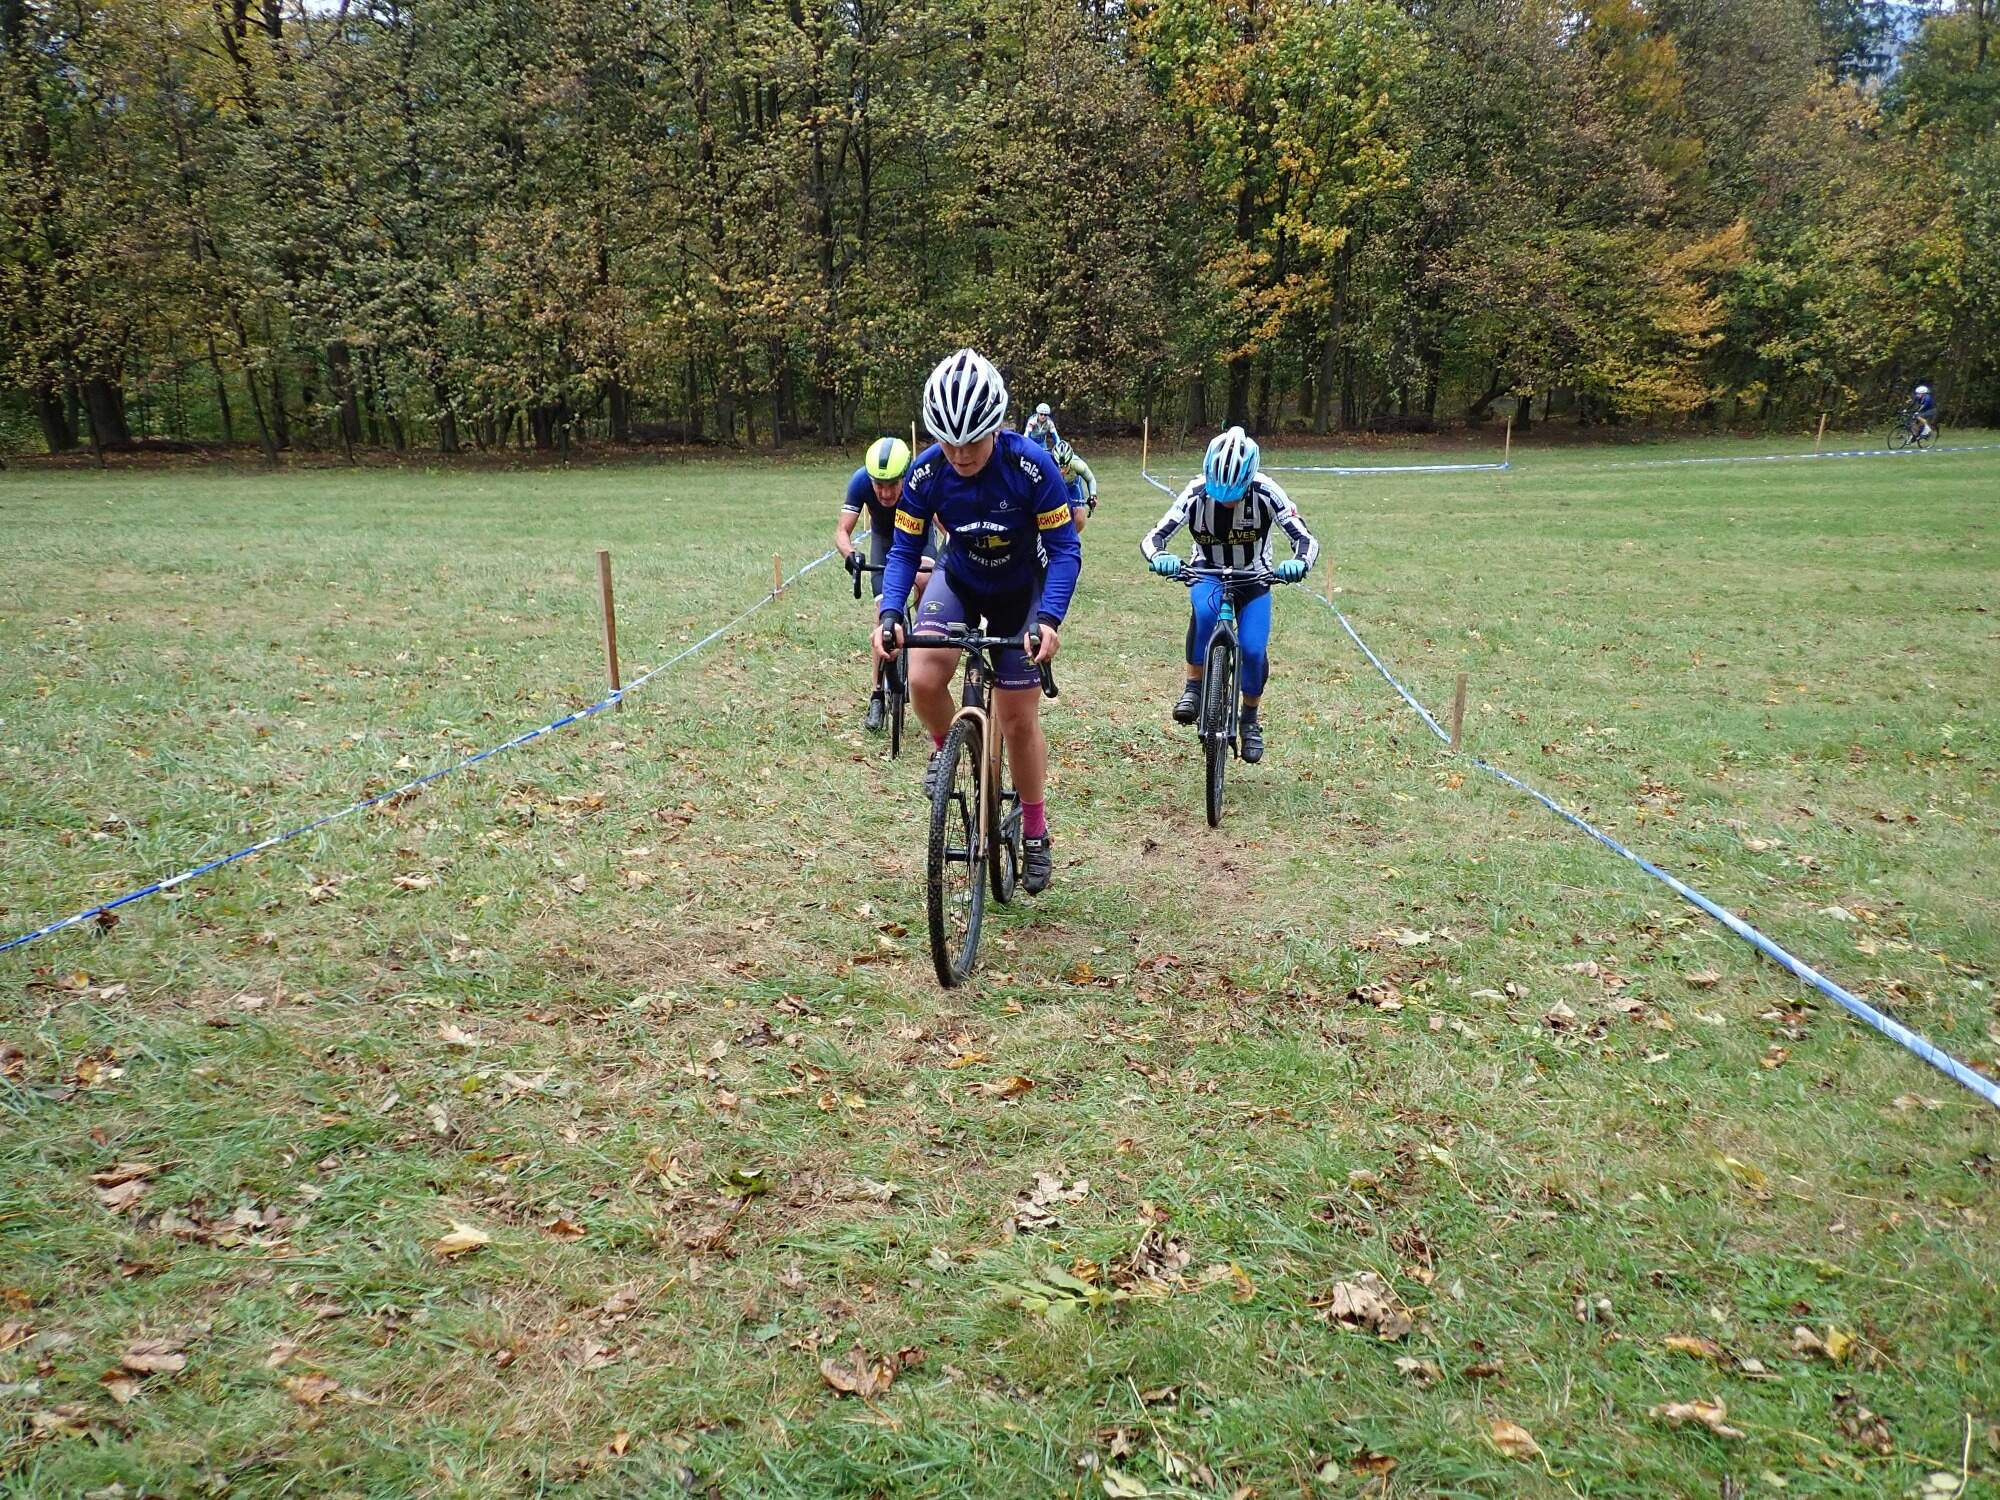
{"points": [[1230, 511]]}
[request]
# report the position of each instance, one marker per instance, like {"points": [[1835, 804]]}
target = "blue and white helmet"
{"points": [[965, 399], [1229, 465]]}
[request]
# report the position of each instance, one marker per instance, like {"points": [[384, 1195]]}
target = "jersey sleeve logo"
{"points": [[1049, 520], [914, 525]]}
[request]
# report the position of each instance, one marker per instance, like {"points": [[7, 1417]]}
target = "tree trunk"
{"points": [[1239, 392], [346, 405], [105, 401], [1329, 372], [618, 406], [447, 419], [57, 431]]}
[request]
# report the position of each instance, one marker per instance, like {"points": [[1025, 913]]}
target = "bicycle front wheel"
{"points": [[1218, 700], [1899, 435], [955, 871], [896, 682], [1003, 829]]}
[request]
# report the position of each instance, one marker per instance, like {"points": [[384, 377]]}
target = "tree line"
{"points": [[505, 223]]}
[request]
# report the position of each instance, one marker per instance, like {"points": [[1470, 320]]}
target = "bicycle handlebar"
{"points": [[1192, 573], [958, 638]]}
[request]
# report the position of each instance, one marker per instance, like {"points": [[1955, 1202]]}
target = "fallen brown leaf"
{"points": [[1011, 1087], [154, 1357], [119, 1385], [1420, 1370], [1696, 1348], [564, 1228], [312, 1389], [462, 1240], [1512, 1439], [865, 1375], [1367, 1305], [1703, 1413], [124, 1172], [123, 1198]]}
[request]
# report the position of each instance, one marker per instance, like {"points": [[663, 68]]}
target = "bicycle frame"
{"points": [[1231, 579]]}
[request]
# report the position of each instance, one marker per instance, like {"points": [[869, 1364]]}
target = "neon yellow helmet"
{"points": [[888, 458]]}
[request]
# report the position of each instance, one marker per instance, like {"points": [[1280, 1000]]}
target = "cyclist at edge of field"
{"points": [[1923, 410], [1011, 556], [874, 490], [1230, 510]]}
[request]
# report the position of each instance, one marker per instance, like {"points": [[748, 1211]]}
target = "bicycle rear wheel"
{"points": [[1925, 439], [1218, 698], [955, 884]]}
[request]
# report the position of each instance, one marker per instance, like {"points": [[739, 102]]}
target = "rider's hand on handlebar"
{"points": [[1291, 570], [1166, 565], [852, 562], [1043, 652], [887, 637]]}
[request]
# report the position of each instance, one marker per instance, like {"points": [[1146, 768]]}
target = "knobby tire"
{"points": [[1218, 696], [954, 874]]}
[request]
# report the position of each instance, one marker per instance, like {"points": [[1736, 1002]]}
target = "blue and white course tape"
{"points": [[1889, 1026], [160, 886]]}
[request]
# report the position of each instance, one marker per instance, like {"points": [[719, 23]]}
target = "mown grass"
{"points": [[665, 949]]}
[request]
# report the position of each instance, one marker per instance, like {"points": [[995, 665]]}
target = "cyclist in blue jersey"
{"points": [[1011, 557], [874, 491], [1230, 510]]}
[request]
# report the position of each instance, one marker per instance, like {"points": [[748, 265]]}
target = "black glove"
{"points": [[889, 622], [854, 563]]}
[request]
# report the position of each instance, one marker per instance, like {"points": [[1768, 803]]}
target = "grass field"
{"points": [[647, 1005]]}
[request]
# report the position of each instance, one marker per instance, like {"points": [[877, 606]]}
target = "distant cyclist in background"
{"points": [[1230, 511], [874, 491], [1077, 475], [1011, 557], [1923, 411]]}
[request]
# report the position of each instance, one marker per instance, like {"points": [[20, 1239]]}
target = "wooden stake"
{"points": [[1507, 454], [610, 622], [777, 576], [1145, 443], [1822, 434], [1458, 713]]}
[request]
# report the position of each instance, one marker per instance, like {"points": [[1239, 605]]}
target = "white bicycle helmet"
{"points": [[965, 399], [1923, 390], [1229, 465]]}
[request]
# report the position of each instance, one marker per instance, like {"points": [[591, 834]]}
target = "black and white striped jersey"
{"points": [[1233, 536]]}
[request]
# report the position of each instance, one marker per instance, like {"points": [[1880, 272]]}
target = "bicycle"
{"points": [[975, 820], [1216, 722], [1910, 432], [895, 671]]}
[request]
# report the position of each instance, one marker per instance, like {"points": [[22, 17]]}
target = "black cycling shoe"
{"points": [[1250, 734], [875, 712], [1036, 866], [1187, 707]]}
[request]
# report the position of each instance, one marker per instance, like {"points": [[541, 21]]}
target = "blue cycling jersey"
{"points": [[1926, 403], [862, 502], [1000, 523]]}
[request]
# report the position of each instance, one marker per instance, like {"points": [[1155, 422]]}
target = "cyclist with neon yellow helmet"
{"points": [[875, 490]]}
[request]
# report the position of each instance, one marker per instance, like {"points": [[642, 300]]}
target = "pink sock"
{"points": [[937, 742], [1034, 820]]}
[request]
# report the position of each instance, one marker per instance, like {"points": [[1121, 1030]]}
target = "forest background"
{"points": [[456, 224]]}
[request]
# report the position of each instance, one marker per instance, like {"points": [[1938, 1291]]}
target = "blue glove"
{"points": [[1291, 570], [1167, 565]]}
